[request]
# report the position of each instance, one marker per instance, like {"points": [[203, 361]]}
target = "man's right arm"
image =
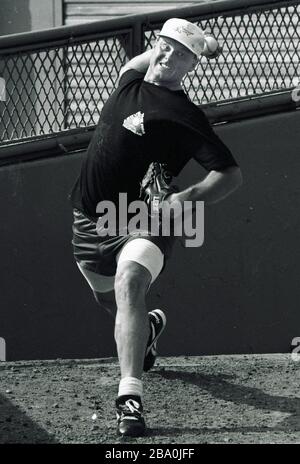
{"points": [[139, 63]]}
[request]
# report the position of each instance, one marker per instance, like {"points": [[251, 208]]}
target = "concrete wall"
{"points": [[82, 11], [29, 15], [238, 293]]}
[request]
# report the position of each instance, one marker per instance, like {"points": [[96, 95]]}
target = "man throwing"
{"points": [[147, 119]]}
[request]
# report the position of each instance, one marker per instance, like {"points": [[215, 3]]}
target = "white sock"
{"points": [[130, 386]]}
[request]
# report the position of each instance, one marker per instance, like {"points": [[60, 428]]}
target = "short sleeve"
{"points": [[205, 146], [213, 154]]}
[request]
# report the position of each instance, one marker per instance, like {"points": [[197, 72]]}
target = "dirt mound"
{"points": [[210, 399]]}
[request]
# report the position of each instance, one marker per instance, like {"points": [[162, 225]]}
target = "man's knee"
{"points": [[132, 281]]}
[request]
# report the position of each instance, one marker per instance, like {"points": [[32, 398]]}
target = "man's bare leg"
{"points": [[132, 320]]}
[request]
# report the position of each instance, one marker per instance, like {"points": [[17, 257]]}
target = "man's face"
{"points": [[171, 61]]}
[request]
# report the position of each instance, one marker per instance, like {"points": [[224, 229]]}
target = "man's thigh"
{"points": [[98, 283], [143, 252], [103, 289]]}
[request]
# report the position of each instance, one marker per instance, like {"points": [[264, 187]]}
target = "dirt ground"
{"points": [[209, 399]]}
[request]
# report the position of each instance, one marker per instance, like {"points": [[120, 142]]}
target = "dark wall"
{"points": [[47, 311], [238, 293]]}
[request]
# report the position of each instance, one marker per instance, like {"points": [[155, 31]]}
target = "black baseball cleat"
{"points": [[130, 419], [158, 322]]}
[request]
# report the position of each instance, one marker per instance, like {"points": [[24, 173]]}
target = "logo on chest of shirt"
{"points": [[135, 123]]}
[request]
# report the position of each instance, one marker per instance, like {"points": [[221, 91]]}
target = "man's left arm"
{"points": [[216, 186]]}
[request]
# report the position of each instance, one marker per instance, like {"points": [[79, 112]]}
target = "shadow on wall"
{"points": [[14, 16]]}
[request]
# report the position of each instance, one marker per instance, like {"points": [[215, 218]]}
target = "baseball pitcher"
{"points": [[148, 130]]}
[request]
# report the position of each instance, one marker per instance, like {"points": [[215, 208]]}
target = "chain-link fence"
{"points": [[260, 54], [54, 88]]}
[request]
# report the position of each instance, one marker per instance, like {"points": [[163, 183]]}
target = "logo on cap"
{"points": [[184, 30]]}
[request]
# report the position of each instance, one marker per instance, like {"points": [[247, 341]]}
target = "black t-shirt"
{"points": [[140, 123]]}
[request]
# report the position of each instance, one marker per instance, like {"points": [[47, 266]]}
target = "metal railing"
{"points": [[58, 80]]}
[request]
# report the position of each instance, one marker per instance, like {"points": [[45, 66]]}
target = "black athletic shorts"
{"points": [[98, 254]]}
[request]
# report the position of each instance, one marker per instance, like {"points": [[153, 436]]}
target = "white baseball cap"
{"points": [[188, 34]]}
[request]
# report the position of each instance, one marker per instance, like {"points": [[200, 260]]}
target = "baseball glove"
{"points": [[155, 187]]}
